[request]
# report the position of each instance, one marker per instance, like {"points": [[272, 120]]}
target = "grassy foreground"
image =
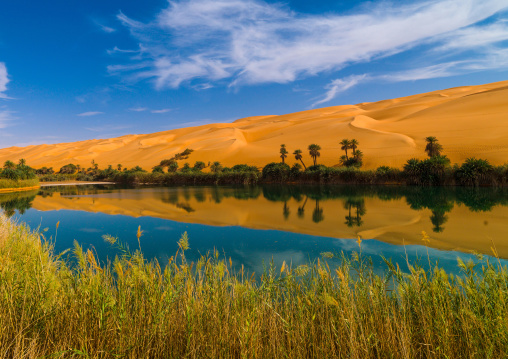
{"points": [[133, 308]]}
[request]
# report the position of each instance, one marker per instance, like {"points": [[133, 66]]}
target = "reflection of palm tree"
{"points": [[317, 215], [285, 210], [301, 210], [359, 206], [438, 218]]}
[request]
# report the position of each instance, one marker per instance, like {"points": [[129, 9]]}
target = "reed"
{"points": [[70, 305]]}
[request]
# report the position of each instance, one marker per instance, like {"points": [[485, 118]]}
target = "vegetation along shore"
{"points": [[436, 170], [70, 304]]}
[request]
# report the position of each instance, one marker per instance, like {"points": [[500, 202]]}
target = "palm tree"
{"points": [[9, 165], [314, 152], [119, 166], [96, 166], [354, 144], [433, 148], [22, 162], [345, 145], [283, 152], [298, 157], [357, 154], [78, 168]]}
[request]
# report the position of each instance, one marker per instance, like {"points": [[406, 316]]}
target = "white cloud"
{"points": [[104, 28], [138, 109], [163, 110], [250, 42], [90, 113], [4, 80], [340, 85]]}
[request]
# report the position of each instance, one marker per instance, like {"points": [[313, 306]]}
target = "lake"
{"points": [[258, 224]]}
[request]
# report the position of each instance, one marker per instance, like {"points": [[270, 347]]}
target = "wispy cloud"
{"points": [[138, 109], [6, 117], [104, 28], [90, 113], [164, 110], [340, 85], [4, 80], [251, 42]]}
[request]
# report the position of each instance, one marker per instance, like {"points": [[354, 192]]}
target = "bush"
{"points": [[474, 172], [276, 172]]}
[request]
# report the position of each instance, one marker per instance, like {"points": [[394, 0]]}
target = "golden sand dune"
{"points": [[468, 121], [391, 222]]}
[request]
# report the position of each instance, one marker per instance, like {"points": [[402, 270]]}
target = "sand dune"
{"points": [[468, 121]]}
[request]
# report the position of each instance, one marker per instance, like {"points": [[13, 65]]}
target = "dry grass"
{"points": [[132, 308]]}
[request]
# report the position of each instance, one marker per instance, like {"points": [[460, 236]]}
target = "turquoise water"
{"points": [[256, 225]]}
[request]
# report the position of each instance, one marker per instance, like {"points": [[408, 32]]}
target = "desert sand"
{"points": [[468, 121], [391, 222]]}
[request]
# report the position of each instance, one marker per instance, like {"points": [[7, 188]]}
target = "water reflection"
{"points": [[464, 219]]}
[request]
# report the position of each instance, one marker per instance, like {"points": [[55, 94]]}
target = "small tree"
{"points": [[199, 165], [433, 148], [216, 167], [283, 152], [298, 157], [173, 167], [314, 152], [9, 165], [345, 145], [22, 162], [119, 166]]}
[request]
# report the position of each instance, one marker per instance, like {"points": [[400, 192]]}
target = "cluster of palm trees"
{"points": [[313, 152], [356, 154]]}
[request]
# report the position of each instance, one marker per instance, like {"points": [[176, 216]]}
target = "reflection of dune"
{"points": [[468, 121], [389, 221]]}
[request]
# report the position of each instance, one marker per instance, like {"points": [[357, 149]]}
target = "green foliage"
{"points": [[283, 152], [429, 172], [314, 152], [433, 148], [244, 168], [276, 172], [199, 165], [216, 167], [158, 169], [474, 172]]}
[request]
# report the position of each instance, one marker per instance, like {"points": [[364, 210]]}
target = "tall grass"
{"points": [[6, 183], [58, 306]]}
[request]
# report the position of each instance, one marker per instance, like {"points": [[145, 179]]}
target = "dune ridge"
{"points": [[468, 121]]}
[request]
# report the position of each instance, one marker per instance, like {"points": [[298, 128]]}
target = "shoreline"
{"points": [[20, 189], [73, 183]]}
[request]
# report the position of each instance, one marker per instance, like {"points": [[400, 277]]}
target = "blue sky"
{"points": [[75, 70]]}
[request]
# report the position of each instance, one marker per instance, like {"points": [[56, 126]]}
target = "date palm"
{"points": [[354, 144], [433, 148], [314, 152], [298, 157], [22, 162], [119, 166], [345, 145], [283, 152]]}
